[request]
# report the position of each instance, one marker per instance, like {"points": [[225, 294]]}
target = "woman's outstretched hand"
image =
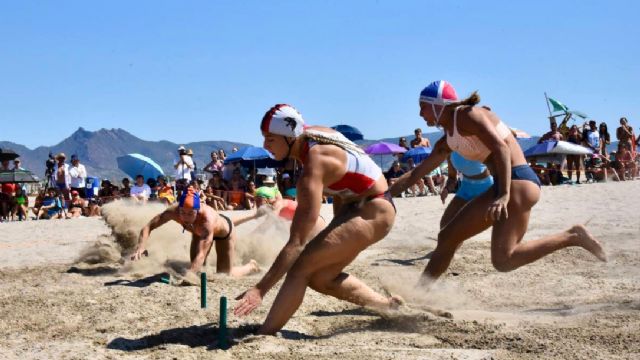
{"points": [[248, 301], [498, 209]]}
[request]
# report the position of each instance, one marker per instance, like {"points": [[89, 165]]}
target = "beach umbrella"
{"points": [[137, 164], [384, 148], [8, 154], [417, 154], [349, 132], [253, 156], [17, 176]]}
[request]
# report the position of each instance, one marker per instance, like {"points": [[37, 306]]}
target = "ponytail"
{"points": [[472, 100]]}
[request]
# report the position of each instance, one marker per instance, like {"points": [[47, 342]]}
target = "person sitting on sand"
{"points": [[75, 205], [140, 191], [165, 191], [207, 227], [478, 134], [364, 214], [51, 206], [21, 207]]}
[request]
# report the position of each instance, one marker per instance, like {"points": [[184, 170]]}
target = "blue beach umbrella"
{"points": [[253, 156], [417, 154], [137, 164], [349, 132]]}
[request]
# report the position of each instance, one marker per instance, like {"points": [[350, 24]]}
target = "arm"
{"points": [[156, 222], [437, 156], [481, 125], [452, 179], [309, 202]]}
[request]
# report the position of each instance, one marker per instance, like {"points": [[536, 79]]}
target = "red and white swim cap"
{"points": [[283, 119]]}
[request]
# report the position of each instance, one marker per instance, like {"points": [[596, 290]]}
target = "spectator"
{"points": [[61, 175], [394, 172], [106, 191], [229, 169], [419, 141], [543, 176], [605, 139], [51, 206], [183, 166], [6, 195], [236, 199], [403, 143], [222, 155], [21, 204], [93, 209], [16, 165], [553, 134], [625, 163], [126, 187], [140, 191], [251, 194], [216, 165], [38, 203], [419, 186], [78, 174], [624, 133], [591, 137], [165, 191], [573, 161], [215, 193], [76, 205], [194, 170], [153, 185]]}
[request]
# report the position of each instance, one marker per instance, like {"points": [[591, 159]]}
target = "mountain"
{"points": [[98, 151]]}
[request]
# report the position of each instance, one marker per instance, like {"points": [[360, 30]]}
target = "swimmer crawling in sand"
{"points": [[207, 227]]}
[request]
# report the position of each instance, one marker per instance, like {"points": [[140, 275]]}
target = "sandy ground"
{"points": [[52, 305]]}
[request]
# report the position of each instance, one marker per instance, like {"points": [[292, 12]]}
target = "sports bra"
{"points": [[471, 147], [467, 167], [362, 173]]}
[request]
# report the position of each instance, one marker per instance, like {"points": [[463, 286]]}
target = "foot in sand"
{"points": [[588, 242]]}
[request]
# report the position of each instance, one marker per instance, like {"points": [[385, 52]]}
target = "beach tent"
{"points": [[349, 132], [17, 176], [137, 164]]}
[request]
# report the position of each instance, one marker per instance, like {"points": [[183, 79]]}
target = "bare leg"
{"points": [[225, 251], [320, 264]]}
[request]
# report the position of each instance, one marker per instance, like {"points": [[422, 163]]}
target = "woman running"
{"points": [[478, 134], [363, 209]]}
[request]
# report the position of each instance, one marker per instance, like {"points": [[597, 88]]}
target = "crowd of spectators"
{"points": [[232, 186]]}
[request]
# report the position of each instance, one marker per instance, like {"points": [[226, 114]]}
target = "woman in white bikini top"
{"points": [[507, 206]]}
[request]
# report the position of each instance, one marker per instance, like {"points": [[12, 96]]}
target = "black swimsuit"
{"points": [[230, 229]]}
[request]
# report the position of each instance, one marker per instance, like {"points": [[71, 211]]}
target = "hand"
{"points": [[444, 193], [497, 209], [139, 253], [249, 300]]}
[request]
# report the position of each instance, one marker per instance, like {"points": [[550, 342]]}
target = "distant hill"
{"points": [[98, 151]]}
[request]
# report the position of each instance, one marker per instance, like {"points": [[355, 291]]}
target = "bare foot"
{"points": [[255, 268], [588, 242]]}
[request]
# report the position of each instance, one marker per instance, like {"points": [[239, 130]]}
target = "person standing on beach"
{"points": [[478, 134], [553, 134], [207, 227], [364, 214]]}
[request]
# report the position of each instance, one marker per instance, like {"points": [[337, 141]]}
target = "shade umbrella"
{"points": [[137, 164], [417, 154], [384, 148], [8, 154], [253, 156], [17, 176], [349, 132]]}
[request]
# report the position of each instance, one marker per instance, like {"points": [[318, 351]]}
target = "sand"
{"points": [[64, 297]]}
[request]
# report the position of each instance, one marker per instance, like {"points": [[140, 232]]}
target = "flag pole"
{"points": [[547, 101]]}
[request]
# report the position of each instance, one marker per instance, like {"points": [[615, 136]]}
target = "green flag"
{"points": [[557, 105]]}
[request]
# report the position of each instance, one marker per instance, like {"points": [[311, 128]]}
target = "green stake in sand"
{"points": [[222, 330], [166, 279], [203, 290]]}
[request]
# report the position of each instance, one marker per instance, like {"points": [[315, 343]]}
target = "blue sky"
{"points": [[208, 70]]}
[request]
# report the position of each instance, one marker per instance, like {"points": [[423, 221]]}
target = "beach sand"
{"points": [[64, 297]]}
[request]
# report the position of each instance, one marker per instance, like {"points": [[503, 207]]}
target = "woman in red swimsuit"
{"points": [[364, 214]]}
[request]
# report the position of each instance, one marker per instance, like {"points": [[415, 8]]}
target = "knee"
{"points": [[502, 264]]}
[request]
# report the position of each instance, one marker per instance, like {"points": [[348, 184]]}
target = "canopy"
{"points": [[556, 147], [17, 176], [8, 154], [384, 148], [349, 132], [253, 156], [417, 154], [137, 164]]}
